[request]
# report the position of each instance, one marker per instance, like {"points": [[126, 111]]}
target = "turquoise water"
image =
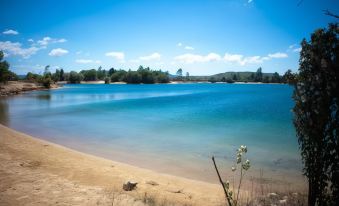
{"points": [[171, 128]]}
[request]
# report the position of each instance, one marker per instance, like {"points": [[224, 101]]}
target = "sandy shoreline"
{"points": [[17, 87], [59, 172]]}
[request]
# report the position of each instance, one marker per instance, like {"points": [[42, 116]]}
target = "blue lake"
{"points": [[171, 128]]}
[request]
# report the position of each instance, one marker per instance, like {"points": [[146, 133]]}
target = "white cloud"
{"points": [[117, 55], [227, 58], [15, 48], [10, 32], [194, 58], [48, 40], [292, 46], [87, 61], [249, 1], [44, 41], [61, 40], [233, 58], [57, 52], [179, 44], [297, 49], [189, 48], [30, 40], [278, 55], [154, 56]]}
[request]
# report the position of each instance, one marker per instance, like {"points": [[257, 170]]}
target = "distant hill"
{"points": [[240, 76], [237, 76]]}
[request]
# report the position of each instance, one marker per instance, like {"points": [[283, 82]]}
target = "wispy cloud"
{"points": [[249, 1], [278, 55], [48, 40], [120, 56], [189, 48], [10, 32], [154, 56], [185, 46], [16, 49], [58, 52], [294, 48], [228, 58], [297, 49], [87, 61], [194, 58]]}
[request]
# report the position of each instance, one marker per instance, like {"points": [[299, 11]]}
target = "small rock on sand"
{"points": [[129, 185]]}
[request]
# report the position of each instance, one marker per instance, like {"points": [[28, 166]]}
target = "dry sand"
{"points": [[37, 172]]}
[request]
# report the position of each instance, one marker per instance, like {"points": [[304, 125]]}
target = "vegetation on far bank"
{"points": [[143, 75]]}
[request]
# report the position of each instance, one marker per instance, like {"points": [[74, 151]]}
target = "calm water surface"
{"points": [[171, 128]]}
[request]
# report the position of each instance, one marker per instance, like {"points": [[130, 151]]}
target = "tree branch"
{"points": [[221, 182], [328, 13]]}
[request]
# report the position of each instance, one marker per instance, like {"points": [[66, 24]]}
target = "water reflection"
{"points": [[4, 116], [46, 96]]}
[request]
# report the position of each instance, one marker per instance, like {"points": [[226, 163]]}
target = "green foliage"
{"points": [[187, 78], [212, 80], [32, 77], [75, 78], [5, 73], [101, 73], [179, 74], [289, 77], [46, 81], [89, 75], [118, 76], [316, 115], [258, 75], [276, 78], [142, 75], [107, 80]]}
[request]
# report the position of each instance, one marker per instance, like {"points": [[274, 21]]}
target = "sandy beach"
{"points": [[37, 172], [17, 87]]}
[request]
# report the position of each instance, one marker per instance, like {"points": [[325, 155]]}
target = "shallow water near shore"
{"points": [[170, 128]]}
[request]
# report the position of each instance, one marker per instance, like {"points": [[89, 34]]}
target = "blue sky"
{"points": [[201, 37]]}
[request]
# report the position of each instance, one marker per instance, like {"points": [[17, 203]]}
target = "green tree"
{"points": [[47, 73], [89, 75], [75, 78], [187, 76], [266, 79], [111, 71], [179, 74], [56, 75], [62, 77], [212, 80], [258, 75], [118, 76], [235, 78], [316, 115], [101, 73], [289, 77], [251, 78], [276, 78], [4, 69], [107, 80]]}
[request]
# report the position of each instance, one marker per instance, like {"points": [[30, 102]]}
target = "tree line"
{"points": [[142, 75]]}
